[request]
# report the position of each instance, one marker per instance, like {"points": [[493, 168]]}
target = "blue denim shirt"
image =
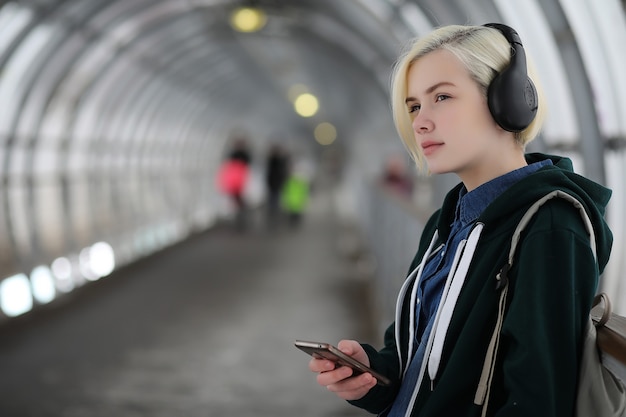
{"points": [[469, 207]]}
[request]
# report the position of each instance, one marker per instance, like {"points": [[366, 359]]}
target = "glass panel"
{"points": [[15, 75], [610, 18], [81, 210], [612, 280], [48, 205], [55, 67], [13, 18], [18, 207], [414, 18], [72, 89], [596, 63]]}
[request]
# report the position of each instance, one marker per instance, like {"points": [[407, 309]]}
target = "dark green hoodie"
{"points": [[552, 285]]}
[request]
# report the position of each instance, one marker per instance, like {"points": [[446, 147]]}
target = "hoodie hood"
{"points": [[521, 195]]}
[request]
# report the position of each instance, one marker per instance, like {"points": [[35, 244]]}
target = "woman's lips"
{"points": [[428, 147]]}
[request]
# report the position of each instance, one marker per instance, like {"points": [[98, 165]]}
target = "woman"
{"points": [[462, 103]]}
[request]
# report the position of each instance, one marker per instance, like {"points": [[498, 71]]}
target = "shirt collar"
{"points": [[472, 204]]}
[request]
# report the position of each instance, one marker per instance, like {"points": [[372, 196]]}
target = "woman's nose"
{"points": [[422, 123]]}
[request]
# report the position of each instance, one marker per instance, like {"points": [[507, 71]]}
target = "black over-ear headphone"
{"points": [[512, 96]]}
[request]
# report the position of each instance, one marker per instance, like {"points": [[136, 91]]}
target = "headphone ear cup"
{"points": [[512, 96], [512, 100]]}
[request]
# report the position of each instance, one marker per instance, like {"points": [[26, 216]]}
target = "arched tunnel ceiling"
{"points": [[338, 50], [186, 50]]}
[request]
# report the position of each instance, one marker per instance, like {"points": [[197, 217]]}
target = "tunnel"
{"points": [[116, 117]]}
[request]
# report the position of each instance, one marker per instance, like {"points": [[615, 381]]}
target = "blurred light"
{"points": [[84, 265], [102, 259], [15, 295], [43, 284], [325, 133], [248, 19], [62, 271], [306, 105]]}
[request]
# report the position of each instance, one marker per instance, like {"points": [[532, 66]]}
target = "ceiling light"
{"points": [[306, 105], [248, 19], [325, 133]]}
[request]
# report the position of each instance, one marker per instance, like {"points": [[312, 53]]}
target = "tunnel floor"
{"points": [[204, 328]]}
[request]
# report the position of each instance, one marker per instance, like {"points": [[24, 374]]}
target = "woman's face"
{"points": [[452, 123]]}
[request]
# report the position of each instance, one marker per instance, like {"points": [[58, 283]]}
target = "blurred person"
{"points": [[276, 171], [396, 175], [233, 177], [463, 103], [295, 194]]}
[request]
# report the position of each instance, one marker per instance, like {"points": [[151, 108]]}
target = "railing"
{"points": [[392, 224]]}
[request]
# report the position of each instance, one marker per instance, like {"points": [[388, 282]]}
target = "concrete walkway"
{"points": [[205, 328]]}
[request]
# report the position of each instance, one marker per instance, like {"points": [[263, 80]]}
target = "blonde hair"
{"points": [[484, 52]]}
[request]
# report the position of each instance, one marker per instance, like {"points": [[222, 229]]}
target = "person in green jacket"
{"points": [[295, 195], [465, 101]]}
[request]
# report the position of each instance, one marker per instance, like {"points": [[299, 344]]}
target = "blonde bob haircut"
{"points": [[484, 52]]}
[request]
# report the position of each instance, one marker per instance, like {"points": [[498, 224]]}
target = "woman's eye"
{"points": [[441, 97], [414, 108]]}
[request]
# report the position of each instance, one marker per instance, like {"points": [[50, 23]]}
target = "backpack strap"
{"points": [[502, 285]]}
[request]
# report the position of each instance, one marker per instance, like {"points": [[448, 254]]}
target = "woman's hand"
{"points": [[339, 379]]}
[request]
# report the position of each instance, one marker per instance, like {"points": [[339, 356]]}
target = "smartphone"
{"points": [[321, 350]]}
